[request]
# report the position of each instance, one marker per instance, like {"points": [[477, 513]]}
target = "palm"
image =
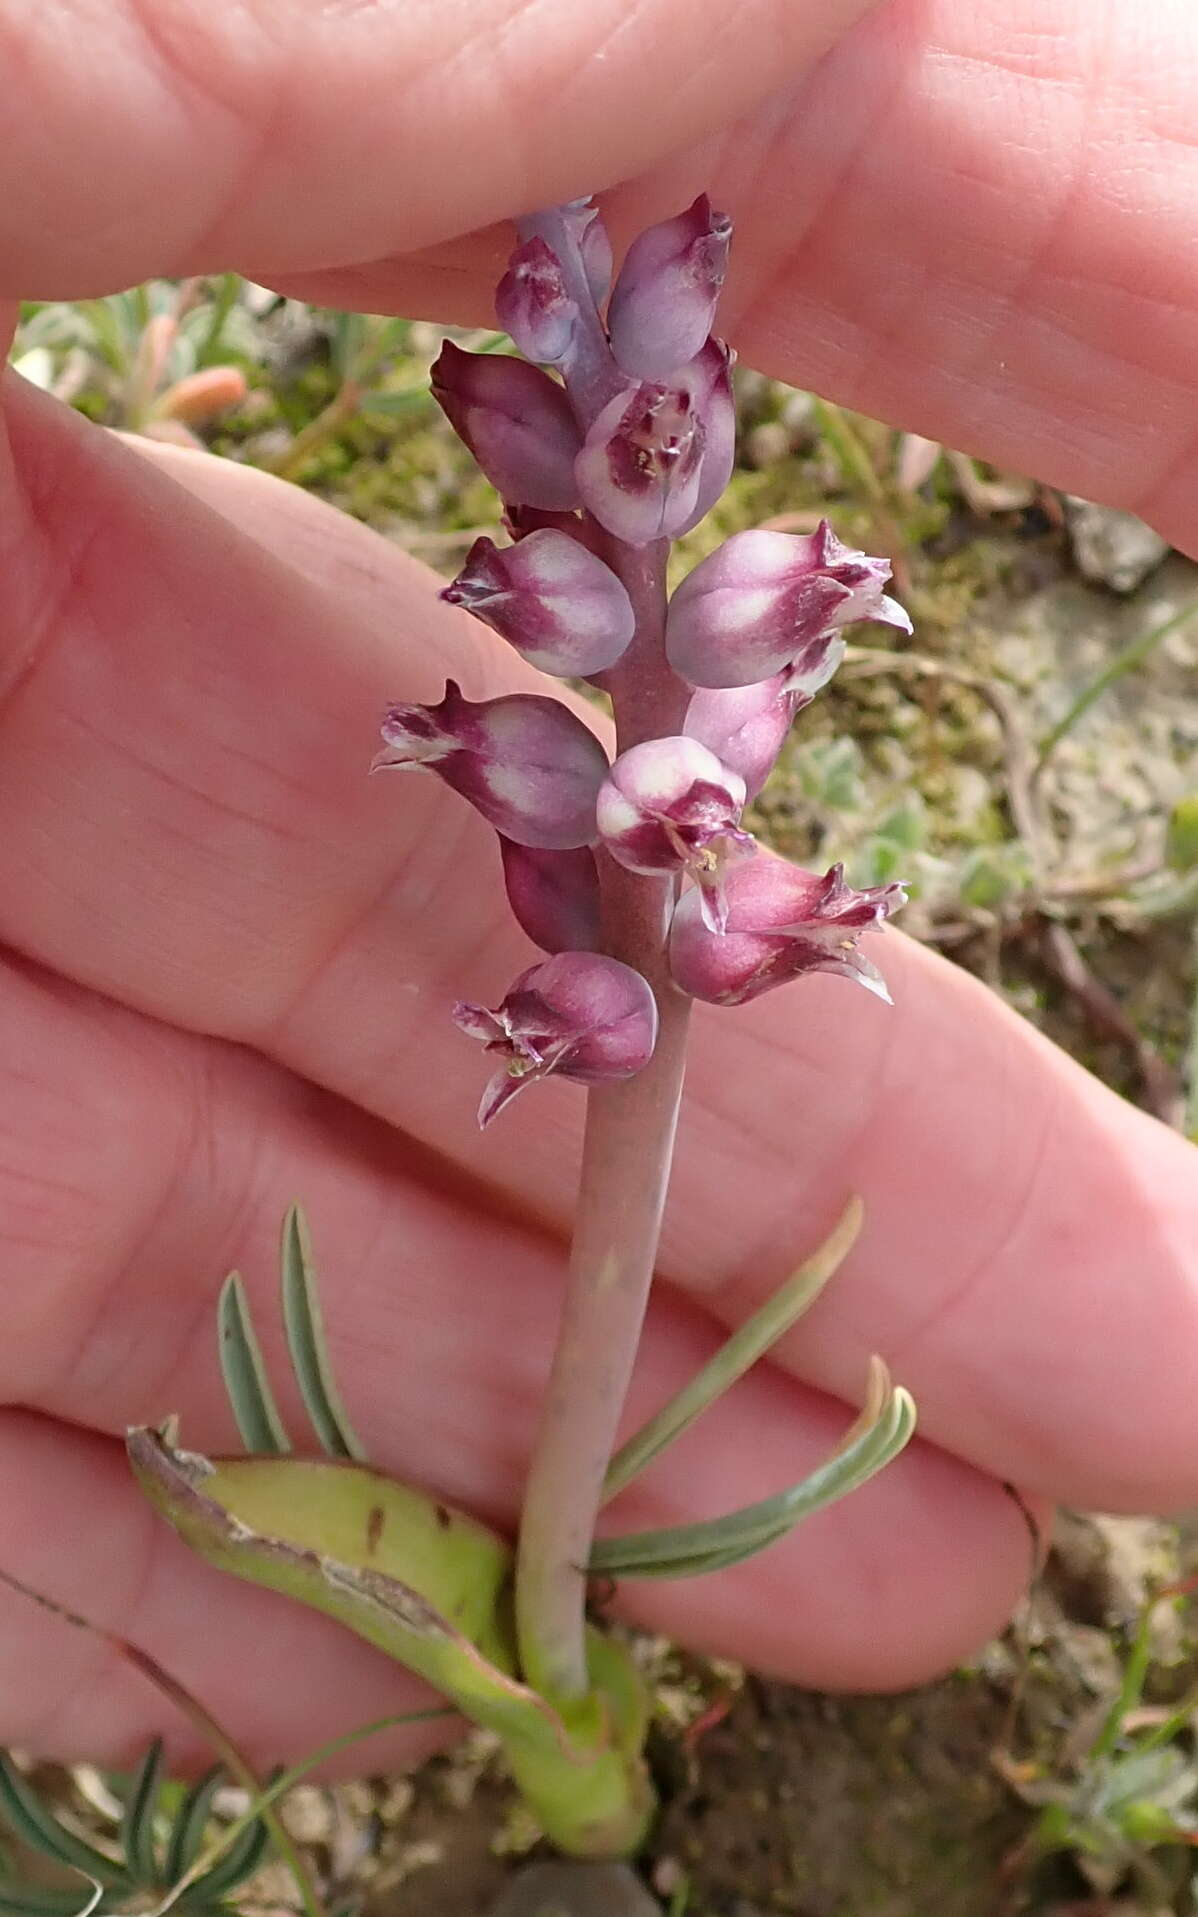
{"points": [[228, 954]]}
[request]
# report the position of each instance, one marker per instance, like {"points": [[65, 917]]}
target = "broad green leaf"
{"points": [[137, 1825], [37, 1827], [187, 1832], [742, 1350], [306, 1342], [691, 1550], [262, 1429], [432, 1588]]}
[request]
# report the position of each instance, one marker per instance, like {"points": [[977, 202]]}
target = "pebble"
{"points": [[576, 1890], [1112, 548]]}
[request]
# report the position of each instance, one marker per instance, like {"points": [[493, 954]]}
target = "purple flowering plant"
{"points": [[611, 437]]}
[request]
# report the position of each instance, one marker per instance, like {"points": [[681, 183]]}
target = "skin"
{"points": [[226, 956]]}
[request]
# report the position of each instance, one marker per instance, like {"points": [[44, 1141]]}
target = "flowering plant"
{"points": [[637, 878]]}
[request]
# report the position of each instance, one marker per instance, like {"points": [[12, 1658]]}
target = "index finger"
{"points": [[150, 137]]}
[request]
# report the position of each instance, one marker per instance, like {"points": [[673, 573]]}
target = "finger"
{"points": [[177, 137], [972, 220], [440, 1320], [238, 874]]}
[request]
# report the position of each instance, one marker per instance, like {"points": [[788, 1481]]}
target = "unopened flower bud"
{"points": [[744, 726], [199, 397], [526, 763], [579, 1014], [583, 219], [665, 298], [781, 923], [765, 601], [560, 606], [554, 896], [669, 805], [532, 304], [516, 421]]}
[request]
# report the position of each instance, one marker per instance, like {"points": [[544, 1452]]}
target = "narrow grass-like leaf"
{"points": [[33, 1900], [1129, 659], [742, 1350], [306, 1342], [183, 1888], [243, 1857], [137, 1824], [187, 1832], [691, 1550], [34, 1824], [262, 1429]]}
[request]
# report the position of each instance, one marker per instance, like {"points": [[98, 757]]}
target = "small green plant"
{"points": [[153, 1851], [159, 359], [1132, 1801]]}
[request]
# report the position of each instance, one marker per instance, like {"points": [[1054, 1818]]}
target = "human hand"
{"points": [[229, 956]]}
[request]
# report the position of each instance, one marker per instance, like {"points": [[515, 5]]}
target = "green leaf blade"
{"points": [[693, 1550], [738, 1354], [137, 1824], [240, 1861], [187, 1832], [246, 1383], [23, 1809], [33, 1900], [306, 1343]]}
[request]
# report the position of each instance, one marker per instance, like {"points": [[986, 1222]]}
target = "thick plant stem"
{"points": [[626, 1164]]}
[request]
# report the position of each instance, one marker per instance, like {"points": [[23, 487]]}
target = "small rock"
{"points": [[308, 1814], [576, 1890], [1112, 548]]}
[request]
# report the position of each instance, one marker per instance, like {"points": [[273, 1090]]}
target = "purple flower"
{"points": [[781, 923], [516, 421], [638, 471], [581, 1015], [582, 218], [554, 896], [708, 380], [664, 300], [657, 457], [532, 304], [766, 600], [559, 605], [744, 726], [527, 764], [670, 806]]}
